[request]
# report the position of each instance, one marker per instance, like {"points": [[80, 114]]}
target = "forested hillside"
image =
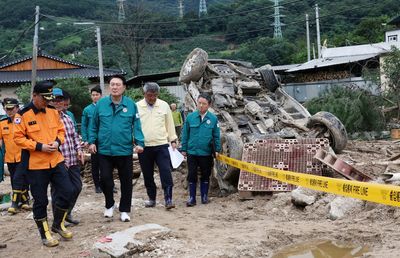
{"points": [[153, 38]]}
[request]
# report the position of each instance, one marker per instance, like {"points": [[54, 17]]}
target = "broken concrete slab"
{"points": [[303, 197], [342, 206], [124, 243]]}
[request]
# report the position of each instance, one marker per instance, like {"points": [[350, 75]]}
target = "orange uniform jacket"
{"points": [[13, 152], [33, 128]]}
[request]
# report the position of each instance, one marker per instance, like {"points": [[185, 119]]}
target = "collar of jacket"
{"points": [[199, 115], [35, 109], [143, 103], [122, 102]]}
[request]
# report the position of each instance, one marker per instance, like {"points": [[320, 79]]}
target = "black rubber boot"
{"points": [[45, 234], [192, 195], [204, 192], [16, 198], [168, 198], [58, 223]]}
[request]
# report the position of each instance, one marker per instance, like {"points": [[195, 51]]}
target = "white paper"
{"points": [[176, 157]]}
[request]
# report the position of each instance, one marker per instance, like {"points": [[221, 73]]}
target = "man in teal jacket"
{"points": [[116, 127], [87, 115], [200, 141]]}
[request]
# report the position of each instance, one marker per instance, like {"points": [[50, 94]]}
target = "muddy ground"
{"points": [[227, 226]]}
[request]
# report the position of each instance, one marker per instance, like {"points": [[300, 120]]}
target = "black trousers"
{"points": [[39, 181], [124, 165], [74, 173], [205, 163], [94, 159], [19, 171], [156, 155]]}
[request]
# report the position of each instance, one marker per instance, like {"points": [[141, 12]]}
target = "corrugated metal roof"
{"points": [[25, 76], [324, 62], [284, 67], [367, 49]]}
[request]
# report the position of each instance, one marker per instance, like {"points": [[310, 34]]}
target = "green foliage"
{"points": [[357, 109], [24, 93], [80, 97], [391, 67], [137, 94]]}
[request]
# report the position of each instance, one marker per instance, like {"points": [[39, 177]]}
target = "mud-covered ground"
{"points": [[227, 226]]}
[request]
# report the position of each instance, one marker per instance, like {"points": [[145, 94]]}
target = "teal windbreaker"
{"points": [[116, 128], [201, 138]]}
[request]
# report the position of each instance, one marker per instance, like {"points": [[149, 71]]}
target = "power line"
{"points": [[179, 21]]}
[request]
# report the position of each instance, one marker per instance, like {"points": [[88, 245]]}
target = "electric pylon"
{"points": [[121, 10], [181, 8], [202, 8], [277, 20]]}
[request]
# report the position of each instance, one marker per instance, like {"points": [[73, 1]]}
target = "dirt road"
{"points": [[226, 227]]}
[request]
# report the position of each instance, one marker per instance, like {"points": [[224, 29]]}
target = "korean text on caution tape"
{"points": [[379, 193]]}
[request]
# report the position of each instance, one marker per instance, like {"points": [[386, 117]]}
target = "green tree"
{"points": [[137, 94], [76, 87], [391, 68], [357, 109]]}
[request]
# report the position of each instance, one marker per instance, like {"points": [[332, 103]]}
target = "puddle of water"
{"points": [[321, 249]]}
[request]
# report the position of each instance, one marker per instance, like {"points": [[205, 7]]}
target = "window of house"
{"points": [[392, 38]]}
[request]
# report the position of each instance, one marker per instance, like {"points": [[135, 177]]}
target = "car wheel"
{"points": [[232, 146], [326, 125], [270, 79], [194, 66]]}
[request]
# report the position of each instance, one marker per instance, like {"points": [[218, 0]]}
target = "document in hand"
{"points": [[176, 157]]}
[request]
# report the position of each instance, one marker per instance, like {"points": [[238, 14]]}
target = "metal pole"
{"points": [[318, 32], [35, 49], [308, 39], [100, 54]]}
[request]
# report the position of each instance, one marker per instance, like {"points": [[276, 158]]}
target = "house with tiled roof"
{"points": [[18, 72]]}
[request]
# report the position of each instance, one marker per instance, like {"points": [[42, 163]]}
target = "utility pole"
{"points": [[308, 39], [181, 8], [121, 10], [318, 32], [313, 50], [277, 20], [202, 8], [35, 49], [100, 54]]}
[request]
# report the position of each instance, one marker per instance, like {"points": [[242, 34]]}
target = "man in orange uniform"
{"points": [[13, 157], [39, 130]]}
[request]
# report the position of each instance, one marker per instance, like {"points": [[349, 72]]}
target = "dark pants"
{"points": [[39, 181], [18, 172], [205, 163], [124, 165], [178, 130], [156, 155], [94, 159], [74, 173]]}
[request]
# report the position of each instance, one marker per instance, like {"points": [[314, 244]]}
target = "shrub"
{"points": [[357, 109]]}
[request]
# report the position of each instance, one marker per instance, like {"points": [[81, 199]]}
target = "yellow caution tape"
{"points": [[373, 192]]}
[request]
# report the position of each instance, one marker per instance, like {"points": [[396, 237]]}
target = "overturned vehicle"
{"points": [[251, 104]]}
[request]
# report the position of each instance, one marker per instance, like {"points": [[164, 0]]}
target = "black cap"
{"points": [[10, 103], [45, 88]]}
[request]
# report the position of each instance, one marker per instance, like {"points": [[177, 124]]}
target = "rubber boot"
{"points": [[204, 192], [45, 234], [25, 200], [168, 198], [16, 198], [58, 223], [192, 195]]}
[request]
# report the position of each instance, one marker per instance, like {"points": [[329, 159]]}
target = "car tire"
{"points": [[270, 79], [329, 126], [194, 66], [232, 146]]}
